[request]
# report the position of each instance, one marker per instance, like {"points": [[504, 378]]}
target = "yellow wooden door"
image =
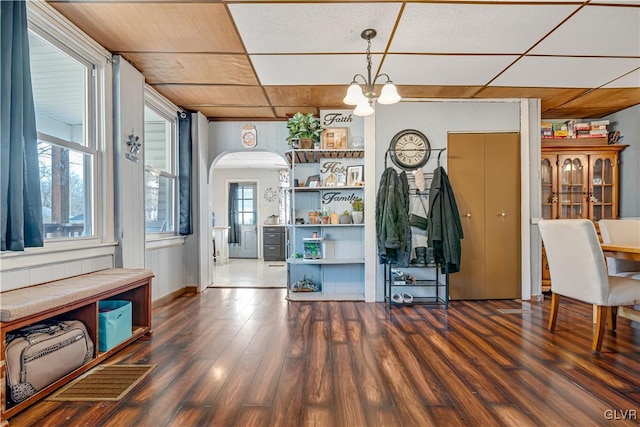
{"points": [[484, 170]]}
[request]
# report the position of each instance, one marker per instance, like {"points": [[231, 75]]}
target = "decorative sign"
{"points": [[134, 147], [336, 196], [249, 136], [331, 119]]}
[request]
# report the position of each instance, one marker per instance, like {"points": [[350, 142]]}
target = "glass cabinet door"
{"points": [[548, 193], [572, 186], [602, 194]]}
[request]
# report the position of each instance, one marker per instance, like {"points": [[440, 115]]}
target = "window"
{"points": [[244, 200], [63, 87], [160, 167]]}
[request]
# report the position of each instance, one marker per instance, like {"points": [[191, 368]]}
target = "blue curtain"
{"points": [[184, 172], [21, 204], [234, 227]]}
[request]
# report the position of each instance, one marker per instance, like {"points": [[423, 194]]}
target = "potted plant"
{"points": [[304, 128], [358, 210], [345, 218]]}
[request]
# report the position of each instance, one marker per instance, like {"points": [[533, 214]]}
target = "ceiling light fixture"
{"points": [[363, 99]]}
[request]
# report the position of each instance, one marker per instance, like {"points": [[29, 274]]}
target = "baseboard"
{"points": [[191, 289], [167, 298]]}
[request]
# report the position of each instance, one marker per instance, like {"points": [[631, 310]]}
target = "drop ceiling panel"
{"points": [[565, 72], [309, 69], [475, 28], [194, 68], [234, 112], [313, 27], [213, 95], [631, 80], [311, 96], [596, 31], [550, 98], [156, 27], [448, 70], [409, 91], [251, 160]]}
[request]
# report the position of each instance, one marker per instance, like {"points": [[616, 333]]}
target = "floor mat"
{"points": [[104, 382]]}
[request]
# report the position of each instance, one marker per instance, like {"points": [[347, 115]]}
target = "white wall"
{"points": [[628, 123]]}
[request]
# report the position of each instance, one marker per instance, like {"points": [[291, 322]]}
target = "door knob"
{"points": [[503, 214], [468, 215]]}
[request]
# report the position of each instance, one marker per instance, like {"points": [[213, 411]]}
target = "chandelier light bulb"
{"points": [[389, 94], [354, 94], [363, 108]]}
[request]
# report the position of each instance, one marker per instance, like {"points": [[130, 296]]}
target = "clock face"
{"points": [[270, 195], [410, 149]]}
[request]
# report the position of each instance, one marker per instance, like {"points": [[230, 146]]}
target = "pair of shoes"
{"points": [[402, 299]]}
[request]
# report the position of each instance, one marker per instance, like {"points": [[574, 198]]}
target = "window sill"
{"points": [[55, 252]]}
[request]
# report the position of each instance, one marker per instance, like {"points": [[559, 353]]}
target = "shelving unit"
{"points": [[426, 290], [340, 271]]}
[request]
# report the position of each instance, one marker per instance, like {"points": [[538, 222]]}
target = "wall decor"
{"points": [[249, 136], [270, 195], [335, 138], [134, 147], [313, 181], [355, 176]]}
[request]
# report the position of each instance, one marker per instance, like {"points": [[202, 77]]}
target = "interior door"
{"points": [[465, 154], [245, 214]]}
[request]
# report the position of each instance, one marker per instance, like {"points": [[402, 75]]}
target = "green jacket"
{"points": [[443, 223], [392, 218]]}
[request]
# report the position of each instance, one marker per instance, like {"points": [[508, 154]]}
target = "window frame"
{"points": [[168, 111]]}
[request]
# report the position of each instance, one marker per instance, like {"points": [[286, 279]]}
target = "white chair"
{"points": [[623, 232], [578, 271]]}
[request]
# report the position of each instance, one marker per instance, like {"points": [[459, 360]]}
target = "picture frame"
{"points": [[313, 181], [355, 176], [334, 138], [341, 179]]}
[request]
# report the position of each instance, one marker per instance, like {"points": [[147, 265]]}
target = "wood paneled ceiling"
{"points": [[267, 60]]}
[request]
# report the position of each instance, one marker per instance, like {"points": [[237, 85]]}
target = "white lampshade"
{"points": [[354, 94], [363, 108], [389, 94]]}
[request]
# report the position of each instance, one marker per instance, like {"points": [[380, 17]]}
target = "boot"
{"points": [[421, 254]]}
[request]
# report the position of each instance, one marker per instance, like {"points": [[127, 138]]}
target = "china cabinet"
{"points": [[321, 250], [579, 179]]}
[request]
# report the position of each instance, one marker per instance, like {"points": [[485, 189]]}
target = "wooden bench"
{"points": [[74, 298]]}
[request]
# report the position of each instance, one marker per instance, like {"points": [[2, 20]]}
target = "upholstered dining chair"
{"points": [[624, 232], [578, 270]]}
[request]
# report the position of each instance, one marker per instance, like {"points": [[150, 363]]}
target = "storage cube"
{"points": [[114, 323]]}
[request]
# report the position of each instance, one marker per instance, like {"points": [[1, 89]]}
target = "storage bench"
{"points": [[74, 298]]}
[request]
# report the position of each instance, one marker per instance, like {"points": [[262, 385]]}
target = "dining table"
{"points": [[630, 253]]}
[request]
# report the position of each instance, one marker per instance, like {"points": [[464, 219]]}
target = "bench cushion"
{"points": [[23, 302]]}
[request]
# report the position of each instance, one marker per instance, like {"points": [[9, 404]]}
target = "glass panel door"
{"points": [[572, 189], [548, 191], [602, 195]]}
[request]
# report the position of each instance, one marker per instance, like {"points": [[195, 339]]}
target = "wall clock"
{"points": [[270, 195], [410, 149]]}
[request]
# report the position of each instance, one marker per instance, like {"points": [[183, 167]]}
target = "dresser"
{"points": [[273, 243]]}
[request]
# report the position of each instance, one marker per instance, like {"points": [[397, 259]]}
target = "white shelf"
{"points": [[326, 225], [336, 188], [326, 261]]}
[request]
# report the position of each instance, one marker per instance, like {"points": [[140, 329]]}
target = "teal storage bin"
{"points": [[114, 323]]}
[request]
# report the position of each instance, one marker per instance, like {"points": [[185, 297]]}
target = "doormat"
{"points": [[105, 382], [514, 310]]}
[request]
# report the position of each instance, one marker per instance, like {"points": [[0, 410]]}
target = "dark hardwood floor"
{"points": [[248, 357]]}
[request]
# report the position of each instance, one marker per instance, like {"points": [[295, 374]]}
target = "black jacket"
{"points": [[444, 226]]}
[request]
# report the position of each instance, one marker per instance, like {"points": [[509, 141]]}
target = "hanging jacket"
{"points": [[443, 223], [392, 218]]}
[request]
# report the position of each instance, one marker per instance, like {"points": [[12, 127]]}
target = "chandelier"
{"points": [[363, 99]]}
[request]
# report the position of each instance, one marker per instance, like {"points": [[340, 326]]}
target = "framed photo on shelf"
{"points": [[335, 138], [341, 179], [355, 176], [313, 181]]}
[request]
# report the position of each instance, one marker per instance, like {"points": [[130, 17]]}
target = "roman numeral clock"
{"points": [[410, 149]]}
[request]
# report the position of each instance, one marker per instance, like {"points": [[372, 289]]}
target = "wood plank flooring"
{"points": [[248, 357]]}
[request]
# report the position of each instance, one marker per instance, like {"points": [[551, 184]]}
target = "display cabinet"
{"points": [[325, 254], [579, 179]]}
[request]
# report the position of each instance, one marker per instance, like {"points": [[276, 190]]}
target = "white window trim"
{"points": [[166, 109], [56, 29]]}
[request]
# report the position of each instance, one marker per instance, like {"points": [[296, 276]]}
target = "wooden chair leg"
{"points": [[555, 302], [598, 334], [612, 318]]}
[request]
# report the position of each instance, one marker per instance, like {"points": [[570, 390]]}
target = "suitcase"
{"points": [[38, 355]]}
